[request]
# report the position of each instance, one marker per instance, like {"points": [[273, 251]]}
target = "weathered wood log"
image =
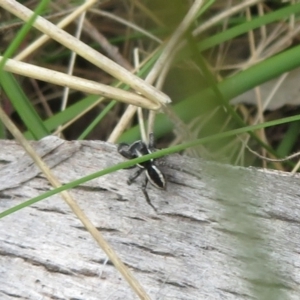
{"points": [[220, 232]]}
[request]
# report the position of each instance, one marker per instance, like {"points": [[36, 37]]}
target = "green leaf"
{"points": [[23, 106]]}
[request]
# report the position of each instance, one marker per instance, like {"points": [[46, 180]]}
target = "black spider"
{"points": [[153, 174]]}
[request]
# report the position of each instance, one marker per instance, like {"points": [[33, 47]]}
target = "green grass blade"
{"points": [[289, 140], [16, 42], [245, 27], [23, 106], [12, 89], [240, 29], [97, 120]]}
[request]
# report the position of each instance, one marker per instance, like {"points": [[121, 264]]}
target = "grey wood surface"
{"points": [[220, 232]]}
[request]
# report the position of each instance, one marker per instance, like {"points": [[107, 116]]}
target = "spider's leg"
{"points": [[144, 186], [124, 150], [135, 175]]}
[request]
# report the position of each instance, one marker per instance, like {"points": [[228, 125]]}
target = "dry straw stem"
{"points": [[86, 52], [77, 83], [72, 61], [122, 124], [134, 284], [294, 155]]}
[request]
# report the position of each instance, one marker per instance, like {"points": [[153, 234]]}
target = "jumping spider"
{"points": [[153, 174]]}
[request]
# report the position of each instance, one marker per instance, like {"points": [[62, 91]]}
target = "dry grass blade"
{"points": [[77, 83], [124, 121]]}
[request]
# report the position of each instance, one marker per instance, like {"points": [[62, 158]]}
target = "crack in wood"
{"points": [[191, 219]]}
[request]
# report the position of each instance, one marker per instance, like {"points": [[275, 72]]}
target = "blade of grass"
{"points": [[14, 45], [12, 89], [247, 26], [289, 139], [97, 120], [23, 106], [205, 7]]}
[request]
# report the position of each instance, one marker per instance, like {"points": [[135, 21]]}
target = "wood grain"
{"points": [[221, 232]]}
